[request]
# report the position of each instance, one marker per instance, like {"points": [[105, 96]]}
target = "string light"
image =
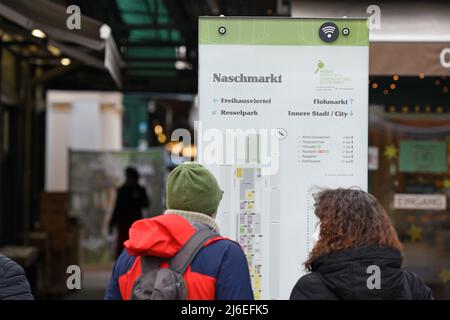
{"points": [[374, 85], [405, 109], [158, 129], [54, 50], [385, 92], [174, 147], [65, 62], [190, 151], [395, 77], [38, 33], [392, 86], [421, 75], [416, 108], [162, 138]]}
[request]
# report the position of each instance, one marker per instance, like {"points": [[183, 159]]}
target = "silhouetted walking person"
{"points": [[131, 199]]}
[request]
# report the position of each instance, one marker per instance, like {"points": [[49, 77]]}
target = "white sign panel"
{"points": [[283, 112]]}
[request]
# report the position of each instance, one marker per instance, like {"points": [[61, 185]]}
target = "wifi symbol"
{"points": [[328, 32]]}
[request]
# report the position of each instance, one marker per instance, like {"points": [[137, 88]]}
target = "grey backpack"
{"points": [[168, 284]]}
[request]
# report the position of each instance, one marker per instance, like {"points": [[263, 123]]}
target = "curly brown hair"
{"points": [[350, 218]]}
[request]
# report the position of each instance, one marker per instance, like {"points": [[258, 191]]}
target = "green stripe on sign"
{"points": [[280, 31]]}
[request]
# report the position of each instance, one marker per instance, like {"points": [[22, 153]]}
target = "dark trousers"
{"points": [[121, 237]]}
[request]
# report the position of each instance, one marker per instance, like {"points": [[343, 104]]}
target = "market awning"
{"points": [[412, 38], [91, 44]]}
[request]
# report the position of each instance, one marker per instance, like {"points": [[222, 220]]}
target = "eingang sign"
{"points": [[420, 201]]}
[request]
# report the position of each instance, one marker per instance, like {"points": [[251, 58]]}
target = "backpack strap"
{"points": [[181, 261]]}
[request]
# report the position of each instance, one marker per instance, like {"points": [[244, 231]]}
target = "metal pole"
{"points": [[2, 225], [28, 105]]}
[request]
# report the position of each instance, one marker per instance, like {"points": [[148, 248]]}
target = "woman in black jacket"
{"points": [[357, 254], [13, 283]]}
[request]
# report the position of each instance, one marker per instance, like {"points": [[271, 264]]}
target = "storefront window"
{"points": [[410, 175]]}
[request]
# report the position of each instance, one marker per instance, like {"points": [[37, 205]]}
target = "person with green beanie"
{"points": [[219, 271], [193, 192]]}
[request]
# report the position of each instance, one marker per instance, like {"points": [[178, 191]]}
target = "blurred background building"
{"points": [[79, 105]]}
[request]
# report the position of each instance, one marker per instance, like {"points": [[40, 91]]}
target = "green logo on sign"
{"points": [[320, 65]]}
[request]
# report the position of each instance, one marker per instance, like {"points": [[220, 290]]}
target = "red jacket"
{"points": [[219, 271]]}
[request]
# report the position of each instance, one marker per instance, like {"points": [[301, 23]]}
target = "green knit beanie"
{"points": [[191, 187]]}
